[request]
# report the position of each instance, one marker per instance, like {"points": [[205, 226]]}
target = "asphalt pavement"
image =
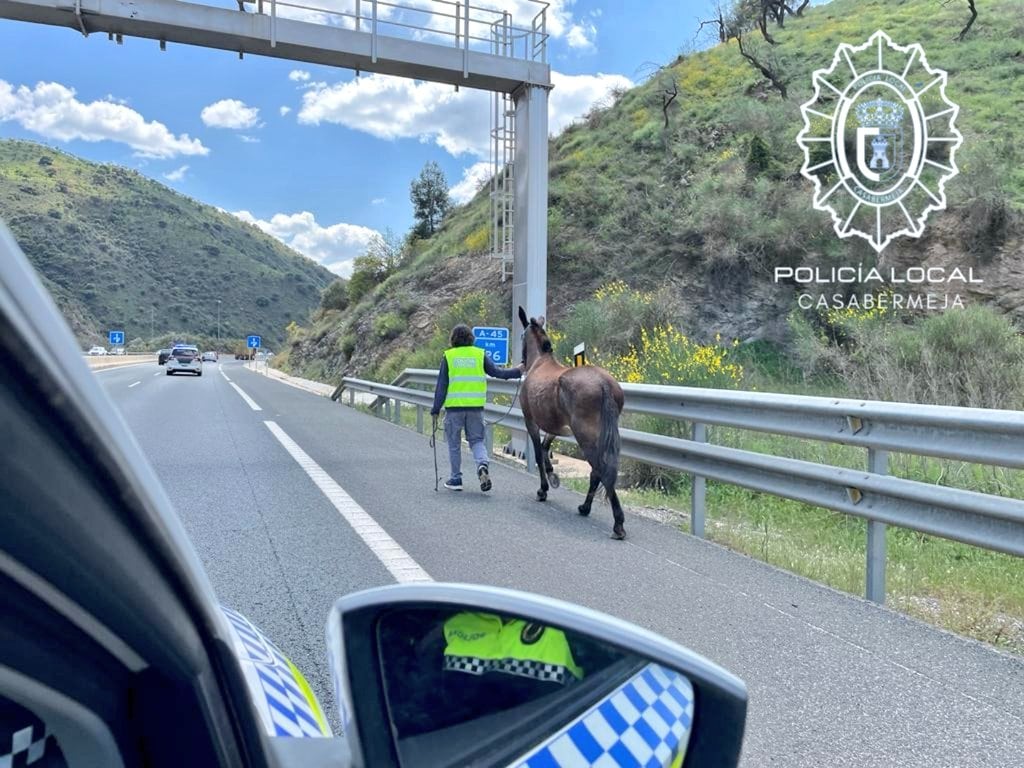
{"points": [[833, 680]]}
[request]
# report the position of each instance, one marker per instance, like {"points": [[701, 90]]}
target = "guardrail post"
{"points": [[419, 419], [878, 463], [699, 492], [352, 397], [398, 411]]}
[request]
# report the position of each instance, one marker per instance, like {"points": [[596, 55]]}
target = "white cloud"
{"points": [[397, 108], [51, 110], [472, 178], [581, 36], [334, 246], [378, 201], [284, 110], [249, 139], [176, 175], [298, 75], [230, 113]]}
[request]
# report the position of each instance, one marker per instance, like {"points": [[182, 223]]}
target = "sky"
{"points": [[313, 155]]}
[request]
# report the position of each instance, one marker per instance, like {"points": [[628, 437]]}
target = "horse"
{"points": [[584, 402]]}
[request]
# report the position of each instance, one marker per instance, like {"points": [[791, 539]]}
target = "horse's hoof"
{"points": [[583, 509], [619, 535], [553, 480], [542, 495]]}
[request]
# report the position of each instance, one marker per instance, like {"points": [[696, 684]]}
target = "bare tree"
{"points": [[970, 22], [718, 21], [669, 92], [768, 67]]}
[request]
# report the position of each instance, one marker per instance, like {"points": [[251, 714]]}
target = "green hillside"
{"points": [[119, 250], [703, 209]]}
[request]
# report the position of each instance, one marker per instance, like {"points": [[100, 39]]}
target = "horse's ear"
{"points": [[522, 317], [540, 321]]}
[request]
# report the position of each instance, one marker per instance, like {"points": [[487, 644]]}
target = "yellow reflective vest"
{"points": [[467, 381], [482, 642]]}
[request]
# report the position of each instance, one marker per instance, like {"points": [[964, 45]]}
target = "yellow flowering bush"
{"points": [[665, 355]]}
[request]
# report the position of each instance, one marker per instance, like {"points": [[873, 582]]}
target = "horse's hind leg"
{"points": [[595, 480], [552, 477], [540, 456], [617, 530]]}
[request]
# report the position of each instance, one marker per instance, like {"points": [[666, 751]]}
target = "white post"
{"points": [[530, 217], [530, 220]]}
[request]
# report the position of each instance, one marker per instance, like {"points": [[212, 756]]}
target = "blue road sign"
{"points": [[494, 343], [253, 342], [116, 338]]}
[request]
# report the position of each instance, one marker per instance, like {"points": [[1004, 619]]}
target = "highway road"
{"points": [[833, 679]]}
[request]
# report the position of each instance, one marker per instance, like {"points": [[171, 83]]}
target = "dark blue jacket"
{"points": [[441, 388]]}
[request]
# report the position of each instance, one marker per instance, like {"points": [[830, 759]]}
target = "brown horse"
{"points": [[584, 402]]}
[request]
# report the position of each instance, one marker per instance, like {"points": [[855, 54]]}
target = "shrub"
{"points": [[335, 295], [968, 357], [388, 326]]}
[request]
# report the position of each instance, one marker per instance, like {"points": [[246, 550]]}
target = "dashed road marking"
{"points": [[390, 553], [134, 385], [249, 401], [157, 373]]}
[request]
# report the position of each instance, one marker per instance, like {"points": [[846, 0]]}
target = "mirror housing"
{"points": [[719, 698]]}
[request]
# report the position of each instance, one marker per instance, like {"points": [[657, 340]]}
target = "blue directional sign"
{"points": [[494, 343], [116, 338], [253, 342]]}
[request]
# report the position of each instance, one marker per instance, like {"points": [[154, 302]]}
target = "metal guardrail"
{"points": [[973, 435], [457, 23]]}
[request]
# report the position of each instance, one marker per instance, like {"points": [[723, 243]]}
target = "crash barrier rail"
{"points": [[457, 23], [975, 435], [113, 361]]}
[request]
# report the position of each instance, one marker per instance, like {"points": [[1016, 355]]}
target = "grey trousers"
{"points": [[472, 422]]}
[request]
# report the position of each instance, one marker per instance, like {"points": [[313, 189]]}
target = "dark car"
{"points": [[162, 355]]}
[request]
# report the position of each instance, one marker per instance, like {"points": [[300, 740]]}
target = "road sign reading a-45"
{"points": [[494, 343]]}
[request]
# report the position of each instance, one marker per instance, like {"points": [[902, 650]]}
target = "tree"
{"points": [[335, 295], [970, 21], [429, 196]]}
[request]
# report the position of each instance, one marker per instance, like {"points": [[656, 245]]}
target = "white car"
{"points": [[97, 351], [184, 360]]}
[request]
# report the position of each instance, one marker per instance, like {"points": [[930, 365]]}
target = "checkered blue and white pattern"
{"points": [[26, 746], [645, 723], [280, 700]]}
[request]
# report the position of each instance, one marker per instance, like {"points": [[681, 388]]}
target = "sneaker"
{"points": [[453, 484], [485, 478]]}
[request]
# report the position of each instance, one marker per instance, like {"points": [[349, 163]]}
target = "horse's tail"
{"points": [[608, 442]]}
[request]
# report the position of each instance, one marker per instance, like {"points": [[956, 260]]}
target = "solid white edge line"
{"points": [[390, 553], [134, 385], [249, 401], [224, 375]]}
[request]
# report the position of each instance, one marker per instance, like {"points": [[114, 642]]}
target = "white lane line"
{"points": [[388, 551], [224, 375], [248, 400], [157, 373], [134, 385]]}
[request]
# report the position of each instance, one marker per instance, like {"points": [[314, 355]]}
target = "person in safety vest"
{"points": [[482, 643], [462, 391]]}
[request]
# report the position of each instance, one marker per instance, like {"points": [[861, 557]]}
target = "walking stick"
{"points": [[433, 444]]}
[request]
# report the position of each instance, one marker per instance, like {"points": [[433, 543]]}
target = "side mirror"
{"points": [[437, 675]]}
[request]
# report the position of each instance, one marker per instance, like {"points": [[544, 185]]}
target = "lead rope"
{"points": [[433, 444], [504, 415]]}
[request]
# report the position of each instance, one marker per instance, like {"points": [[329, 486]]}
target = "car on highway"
{"points": [[115, 650], [184, 359], [162, 355], [209, 357], [97, 350]]}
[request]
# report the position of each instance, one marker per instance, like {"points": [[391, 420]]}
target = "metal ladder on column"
{"points": [[503, 152]]}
